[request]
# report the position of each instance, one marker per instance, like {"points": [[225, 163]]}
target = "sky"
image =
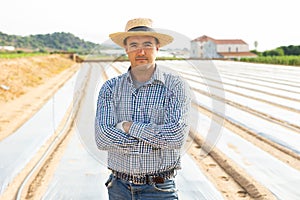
{"points": [[271, 23]]}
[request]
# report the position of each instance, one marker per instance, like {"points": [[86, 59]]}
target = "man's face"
{"points": [[141, 50]]}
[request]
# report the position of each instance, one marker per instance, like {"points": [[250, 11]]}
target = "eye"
{"points": [[133, 45], [148, 44]]}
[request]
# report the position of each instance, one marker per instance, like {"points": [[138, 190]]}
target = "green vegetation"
{"points": [[20, 54], [284, 55], [66, 42], [280, 60], [291, 50]]}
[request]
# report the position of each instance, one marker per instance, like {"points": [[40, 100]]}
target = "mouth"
{"points": [[141, 58]]}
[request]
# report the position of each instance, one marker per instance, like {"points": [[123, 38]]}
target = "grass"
{"points": [[279, 60], [11, 55]]}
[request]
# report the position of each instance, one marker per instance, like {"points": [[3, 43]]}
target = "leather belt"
{"points": [[145, 179]]}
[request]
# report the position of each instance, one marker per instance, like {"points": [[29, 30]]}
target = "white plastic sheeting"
{"points": [[19, 148], [281, 179], [78, 175], [260, 126], [261, 106], [81, 175], [268, 129]]}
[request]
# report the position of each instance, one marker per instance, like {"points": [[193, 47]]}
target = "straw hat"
{"points": [[140, 27]]}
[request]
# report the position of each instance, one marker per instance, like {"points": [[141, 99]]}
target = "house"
{"points": [[205, 47], [7, 48]]}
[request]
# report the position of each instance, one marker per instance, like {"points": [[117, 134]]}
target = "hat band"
{"points": [[141, 28]]}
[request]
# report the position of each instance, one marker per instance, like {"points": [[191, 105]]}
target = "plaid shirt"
{"points": [[159, 111]]}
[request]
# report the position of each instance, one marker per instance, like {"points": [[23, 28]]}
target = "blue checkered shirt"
{"points": [[159, 111]]}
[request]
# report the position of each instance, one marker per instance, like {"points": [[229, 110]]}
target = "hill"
{"points": [[58, 41]]}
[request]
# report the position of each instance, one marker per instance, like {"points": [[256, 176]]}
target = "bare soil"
{"points": [[27, 83]]}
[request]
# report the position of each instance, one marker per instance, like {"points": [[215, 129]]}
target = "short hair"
{"points": [[156, 40]]}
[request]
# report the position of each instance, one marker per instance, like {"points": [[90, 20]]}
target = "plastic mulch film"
{"points": [[18, 149]]}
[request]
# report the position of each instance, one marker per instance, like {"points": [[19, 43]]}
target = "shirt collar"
{"points": [[157, 77]]}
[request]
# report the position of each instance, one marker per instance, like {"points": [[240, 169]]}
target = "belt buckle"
{"points": [[158, 179]]}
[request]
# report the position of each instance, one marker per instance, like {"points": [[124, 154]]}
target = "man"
{"points": [[142, 119]]}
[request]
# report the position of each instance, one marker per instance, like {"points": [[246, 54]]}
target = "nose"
{"points": [[141, 51]]}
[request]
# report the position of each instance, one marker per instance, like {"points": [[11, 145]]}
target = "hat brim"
{"points": [[119, 37]]}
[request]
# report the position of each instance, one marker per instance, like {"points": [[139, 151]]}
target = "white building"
{"points": [[205, 47], [7, 48]]}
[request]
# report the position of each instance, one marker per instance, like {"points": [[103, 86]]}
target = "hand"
{"points": [[120, 126], [126, 126]]}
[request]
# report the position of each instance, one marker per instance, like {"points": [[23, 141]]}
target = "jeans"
{"points": [[119, 189]]}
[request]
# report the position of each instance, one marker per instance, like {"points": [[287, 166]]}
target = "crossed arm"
{"points": [[110, 134]]}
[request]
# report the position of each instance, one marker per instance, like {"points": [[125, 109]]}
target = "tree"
{"points": [[56, 42], [291, 50], [274, 52], [255, 44]]}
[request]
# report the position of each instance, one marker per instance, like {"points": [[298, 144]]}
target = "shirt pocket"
{"points": [[156, 114]]}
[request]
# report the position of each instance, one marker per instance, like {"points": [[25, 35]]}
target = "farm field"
{"points": [[246, 118]]}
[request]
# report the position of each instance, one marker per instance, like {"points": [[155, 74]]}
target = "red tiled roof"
{"points": [[237, 54], [237, 41], [205, 38]]}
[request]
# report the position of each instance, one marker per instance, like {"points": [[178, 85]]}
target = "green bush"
{"points": [[279, 60]]}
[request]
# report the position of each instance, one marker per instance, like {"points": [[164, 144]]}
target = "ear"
{"points": [[157, 47], [126, 50]]}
